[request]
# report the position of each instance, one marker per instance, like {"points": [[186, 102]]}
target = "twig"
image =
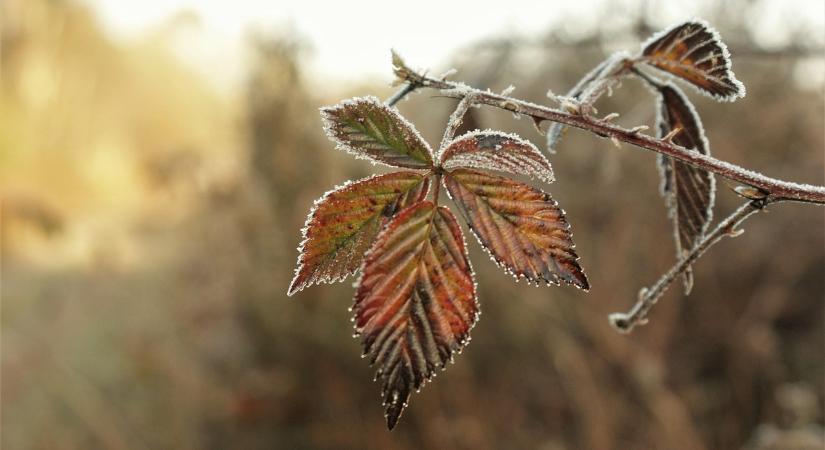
{"points": [[637, 315], [455, 121], [774, 189], [408, 88]]}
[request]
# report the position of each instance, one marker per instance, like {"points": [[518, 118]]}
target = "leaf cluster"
{"points": [[416, 298]]}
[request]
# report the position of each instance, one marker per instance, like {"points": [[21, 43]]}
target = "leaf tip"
{"points": [[395, 403]]}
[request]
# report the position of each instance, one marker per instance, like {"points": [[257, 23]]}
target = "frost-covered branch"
{"points": [[637, 315], [773, 189]]}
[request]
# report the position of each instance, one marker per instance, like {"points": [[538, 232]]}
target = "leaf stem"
{"points": [[437, 187], [637, 315], [399, 95], [775, 189], [454, 122]]}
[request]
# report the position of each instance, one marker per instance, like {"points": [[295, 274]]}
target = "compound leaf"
{"points": [[499, 151], [416, 301], [689, 192], [694, 52], [370, 129], [521, 227], [344, 223]]}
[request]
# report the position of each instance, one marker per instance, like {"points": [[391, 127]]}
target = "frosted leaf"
{"points": [[494, 150], [521, 227], [694, 52], [342, 226], [416, 301], [369, 129], [689, 192]]}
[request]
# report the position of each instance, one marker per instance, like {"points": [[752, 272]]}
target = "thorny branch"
{"points": [[625, 322], [773, 189], [759, 189]]}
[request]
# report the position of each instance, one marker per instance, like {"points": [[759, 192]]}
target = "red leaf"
{"points": [[370, 129], [416, 301], [521, 227], [694, 52], [689, 192], [344, 223], [499, 151]]}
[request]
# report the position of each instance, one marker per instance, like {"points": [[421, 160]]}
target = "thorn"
{"points": [[510, 106], [570, 106], [508, 90], [642, 293], [610, 117], [734, 232], [639, 128], [750, 192], [615, 141], [669, 137], [448, 73], [552, 96], [588, 109], [537, 123]]}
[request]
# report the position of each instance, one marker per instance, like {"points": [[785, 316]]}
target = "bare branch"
{"points": [[637, 315], [775, 189]]}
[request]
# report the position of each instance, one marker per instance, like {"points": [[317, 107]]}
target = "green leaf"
{"points": [[369, 129]]}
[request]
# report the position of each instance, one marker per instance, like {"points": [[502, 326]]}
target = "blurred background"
{"points": [[157, 161]]}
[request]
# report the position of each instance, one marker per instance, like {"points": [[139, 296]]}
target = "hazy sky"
{"points": [[351, 39]]}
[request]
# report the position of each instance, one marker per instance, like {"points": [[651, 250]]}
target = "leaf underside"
{"points": [[494, 150], [521, 227], [689, 192], [344, 223], [370, 129], [694, 52], [416, 301]]}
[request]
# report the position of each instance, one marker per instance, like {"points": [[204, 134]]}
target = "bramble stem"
{"points": [[637, 315], [774, 189]]}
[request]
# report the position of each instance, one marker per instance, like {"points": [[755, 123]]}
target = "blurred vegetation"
{"points": [[149, 228]]}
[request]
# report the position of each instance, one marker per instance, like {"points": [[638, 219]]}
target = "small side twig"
{"points": [[399, 95], [637, 315], [455, 121]]}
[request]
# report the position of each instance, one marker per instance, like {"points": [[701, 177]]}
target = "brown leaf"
{"points": [[694, 52], [494, 150], [416, 301], [521, 227], [344, 223], [689, 192], [369, 129]]}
